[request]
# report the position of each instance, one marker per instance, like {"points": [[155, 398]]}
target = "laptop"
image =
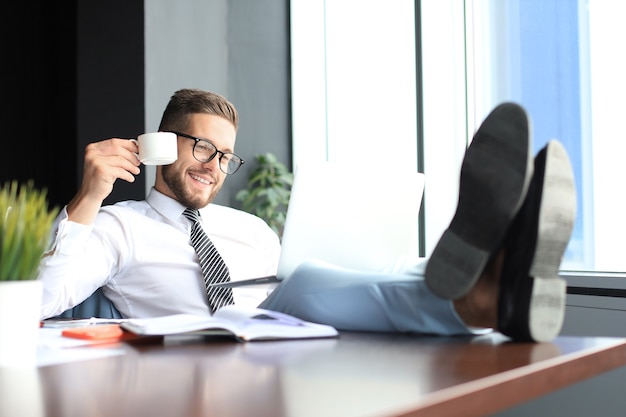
{"points": [[364, 218]]}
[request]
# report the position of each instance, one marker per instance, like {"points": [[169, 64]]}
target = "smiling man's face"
{"points": [[192, 183]]}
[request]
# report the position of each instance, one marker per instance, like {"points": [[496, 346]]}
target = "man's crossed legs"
{"points": [[496, 265]]}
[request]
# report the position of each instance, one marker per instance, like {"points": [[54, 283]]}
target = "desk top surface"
{"points": [[358, 374]]}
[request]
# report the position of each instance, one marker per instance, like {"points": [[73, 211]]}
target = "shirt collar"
{"points": [[166, 206]]}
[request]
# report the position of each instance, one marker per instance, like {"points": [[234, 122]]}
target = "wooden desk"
{"points": [[355, 375]]}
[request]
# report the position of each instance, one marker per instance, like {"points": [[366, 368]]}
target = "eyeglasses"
{"points": [[205, 151]]}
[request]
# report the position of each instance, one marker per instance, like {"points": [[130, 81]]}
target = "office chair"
{"points": [[96, 305]]}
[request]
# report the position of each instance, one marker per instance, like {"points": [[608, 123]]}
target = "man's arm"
{"points": [[63, 268], [105, 162]]}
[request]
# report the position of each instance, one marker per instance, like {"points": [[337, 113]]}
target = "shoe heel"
{"points": [[547, 308], [454, 267]]}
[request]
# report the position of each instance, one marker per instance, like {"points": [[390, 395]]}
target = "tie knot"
{"points": [[192, 215]]}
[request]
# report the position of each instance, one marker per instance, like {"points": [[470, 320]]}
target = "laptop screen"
{"points": [[354, 217]]}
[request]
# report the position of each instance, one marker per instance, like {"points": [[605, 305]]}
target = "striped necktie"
{"points": [[213, 267]]}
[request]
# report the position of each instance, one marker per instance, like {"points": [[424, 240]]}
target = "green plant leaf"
{"points": [[25, 223], [268, 191]]}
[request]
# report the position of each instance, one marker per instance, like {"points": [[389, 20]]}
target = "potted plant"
{"points": [[25, 223], [268, 191]]}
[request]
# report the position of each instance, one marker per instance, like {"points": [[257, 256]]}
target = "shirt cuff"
{"points": [[70, 237]]}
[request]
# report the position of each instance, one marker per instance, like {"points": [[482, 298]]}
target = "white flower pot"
{"points": [[20, 307], [22, 392]]}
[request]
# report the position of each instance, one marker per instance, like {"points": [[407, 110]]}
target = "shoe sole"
{"points": [[557, 214], [495, 175], [531, 302]]}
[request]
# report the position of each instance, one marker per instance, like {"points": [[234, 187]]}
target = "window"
{"points": [[552, 57], [560, 59], [353, 80]]}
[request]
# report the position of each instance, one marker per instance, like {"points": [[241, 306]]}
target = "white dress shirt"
{"points": [[141, 254]]}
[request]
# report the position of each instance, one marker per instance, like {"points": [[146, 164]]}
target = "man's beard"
{"points": [[176, 183]]}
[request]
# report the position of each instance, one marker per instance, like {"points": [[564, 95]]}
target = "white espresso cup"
{"points": [[158, 148]]}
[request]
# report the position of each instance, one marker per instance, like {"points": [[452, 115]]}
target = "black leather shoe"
{"points": [[495, 174], [531, 303]]}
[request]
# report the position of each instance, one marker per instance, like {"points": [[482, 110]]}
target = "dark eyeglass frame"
{"points": [[198, 140]]}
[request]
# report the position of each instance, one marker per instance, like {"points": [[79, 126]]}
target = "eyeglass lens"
{"points": [[205, 151]]}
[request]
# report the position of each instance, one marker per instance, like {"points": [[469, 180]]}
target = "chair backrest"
{"points": [[96, 305]]}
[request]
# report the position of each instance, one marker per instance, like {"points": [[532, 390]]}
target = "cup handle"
{"points": [[136, 143]]}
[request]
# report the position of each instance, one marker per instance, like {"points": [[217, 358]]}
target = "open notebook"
{"points": [[363, 218]]}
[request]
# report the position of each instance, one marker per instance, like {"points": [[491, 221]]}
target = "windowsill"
{"points": [[604, 280], [595, 292]]}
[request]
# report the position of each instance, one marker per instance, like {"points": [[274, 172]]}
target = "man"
{"points": [[139, 251], [496, 266]]}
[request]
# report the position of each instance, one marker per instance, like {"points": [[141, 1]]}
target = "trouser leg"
{"points": [[364, 301]]}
